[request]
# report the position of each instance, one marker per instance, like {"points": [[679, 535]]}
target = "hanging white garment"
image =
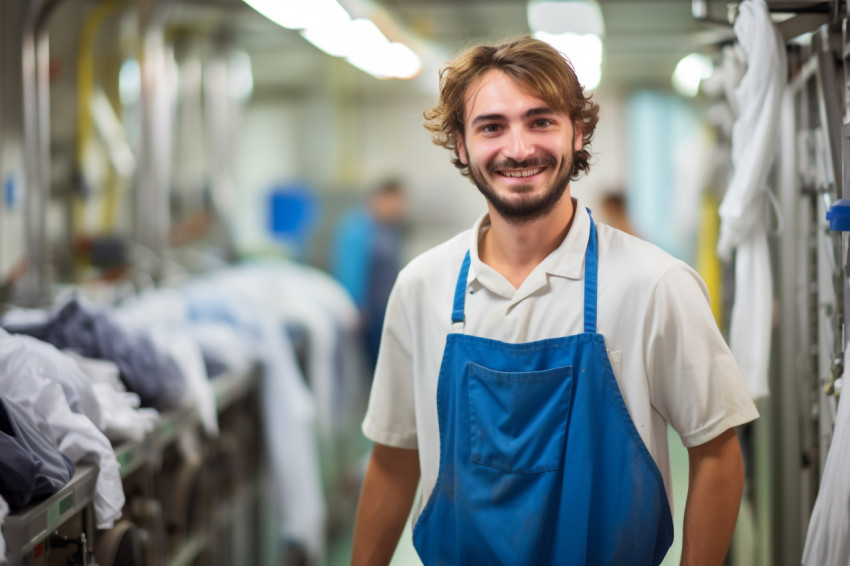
{"points": [[187, 355], [75, 435], [163, 315], [311, 299], [224, 345], [289, 412], [826, 540], [742, 212]]}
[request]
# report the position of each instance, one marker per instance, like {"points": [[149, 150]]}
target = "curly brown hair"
{"points": [[531, 61]]}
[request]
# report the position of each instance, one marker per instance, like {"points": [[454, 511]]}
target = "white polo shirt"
{"points": [[670, 360]]}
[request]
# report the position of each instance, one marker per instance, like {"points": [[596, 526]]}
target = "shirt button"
{"points": [[471, 291]]}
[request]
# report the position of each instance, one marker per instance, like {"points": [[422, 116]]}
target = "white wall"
{"points": [[342, 144]]}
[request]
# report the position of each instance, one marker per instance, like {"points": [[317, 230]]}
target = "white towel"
{"points": [[742, 212]]}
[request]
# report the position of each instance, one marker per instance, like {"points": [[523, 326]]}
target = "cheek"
{"points": [[483, 154]]}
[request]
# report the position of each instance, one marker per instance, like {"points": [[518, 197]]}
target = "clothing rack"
{"points": [[806, 15], [34, 532]]}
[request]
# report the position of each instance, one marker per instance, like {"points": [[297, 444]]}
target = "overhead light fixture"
{"points": [[583, 51], [329, 27], [300, 14], [575, 28], [559, 16], [690, 71]]}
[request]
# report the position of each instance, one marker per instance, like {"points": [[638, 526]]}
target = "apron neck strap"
{"points": [[458, 315], [591, 268], [590, 275]]}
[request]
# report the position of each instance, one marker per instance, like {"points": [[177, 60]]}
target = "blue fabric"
{"points": [[365, 259], [351, 250], [540, 462], [460, 290]]}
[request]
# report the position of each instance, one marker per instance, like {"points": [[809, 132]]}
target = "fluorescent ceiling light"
{"points": [[402, 62], [333, 40], [327, 25], [690, 71], [300, 14], [583, 51], [581, 17]]}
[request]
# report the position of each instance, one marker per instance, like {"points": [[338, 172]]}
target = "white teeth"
{"points": [[527, 173]]}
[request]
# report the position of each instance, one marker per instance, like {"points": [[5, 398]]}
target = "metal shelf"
{"points": [[26, 528]]}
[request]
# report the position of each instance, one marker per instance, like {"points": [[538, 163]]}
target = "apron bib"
{"points": [[540, 462]]}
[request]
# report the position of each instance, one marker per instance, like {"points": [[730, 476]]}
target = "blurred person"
{"points": [[614, 211], [366, 257], [531, 365]]}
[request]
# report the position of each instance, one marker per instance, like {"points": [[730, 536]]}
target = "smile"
{"points": [[526, 173]]}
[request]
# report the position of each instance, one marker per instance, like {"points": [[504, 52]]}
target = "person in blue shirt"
{"points": [[366, 255]]}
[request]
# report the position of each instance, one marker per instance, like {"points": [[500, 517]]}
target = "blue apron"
{"points": [[540, 462]]}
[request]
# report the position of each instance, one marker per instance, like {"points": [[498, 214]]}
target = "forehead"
{"points": [[496, 92]]}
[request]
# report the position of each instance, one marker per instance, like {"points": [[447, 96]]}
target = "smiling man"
{"points": [[530, 366]]}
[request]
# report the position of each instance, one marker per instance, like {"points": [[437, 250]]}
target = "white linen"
{"points": [[240, 298], [123, 418], [669, 359], [56, 365], [223, 344], [163, 315], [827, 540], [742, 212], [312, 300], [22, 381]]}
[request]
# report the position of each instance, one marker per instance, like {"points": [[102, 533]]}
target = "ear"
{"points": [[461, 150]]}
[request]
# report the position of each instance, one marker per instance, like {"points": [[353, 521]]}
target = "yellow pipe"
{"points": [[85, 88]]}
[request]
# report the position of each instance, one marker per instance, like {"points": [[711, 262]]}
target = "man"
{"points": [[365, 258], [529, 368]]}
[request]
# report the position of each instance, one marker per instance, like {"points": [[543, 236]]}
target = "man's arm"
{"points": [[715, 487], [385, 501]]}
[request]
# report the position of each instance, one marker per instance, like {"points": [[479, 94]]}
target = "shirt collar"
{"points": [[566, 260]]}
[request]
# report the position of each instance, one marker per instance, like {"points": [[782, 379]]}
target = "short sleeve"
{"points": [[694, 381], [391, 416]]}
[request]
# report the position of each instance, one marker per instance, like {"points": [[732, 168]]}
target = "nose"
{"points": [[521, 146]]}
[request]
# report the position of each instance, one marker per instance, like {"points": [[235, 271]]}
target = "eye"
{"points": [[490, 128], [542, 123]]}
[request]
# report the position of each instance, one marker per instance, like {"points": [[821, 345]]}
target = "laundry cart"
{"points": [[199, 506]]}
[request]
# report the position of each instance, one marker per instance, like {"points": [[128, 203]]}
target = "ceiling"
{"points": [[644, 39]]}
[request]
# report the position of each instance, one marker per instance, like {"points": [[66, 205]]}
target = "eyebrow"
{"points": [[500, 117]]}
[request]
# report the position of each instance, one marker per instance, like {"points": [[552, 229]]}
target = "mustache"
{"points": [[509, 163]]}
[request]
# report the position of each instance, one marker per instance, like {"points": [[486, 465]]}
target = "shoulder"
{"points": [[638, 264]]}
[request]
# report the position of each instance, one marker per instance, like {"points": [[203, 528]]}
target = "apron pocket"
{"points": [[518, 420]]}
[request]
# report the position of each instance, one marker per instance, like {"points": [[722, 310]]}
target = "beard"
{"points": [[524, 210]]}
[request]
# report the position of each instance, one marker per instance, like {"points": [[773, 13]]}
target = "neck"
{"points": [[515, 249]]}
